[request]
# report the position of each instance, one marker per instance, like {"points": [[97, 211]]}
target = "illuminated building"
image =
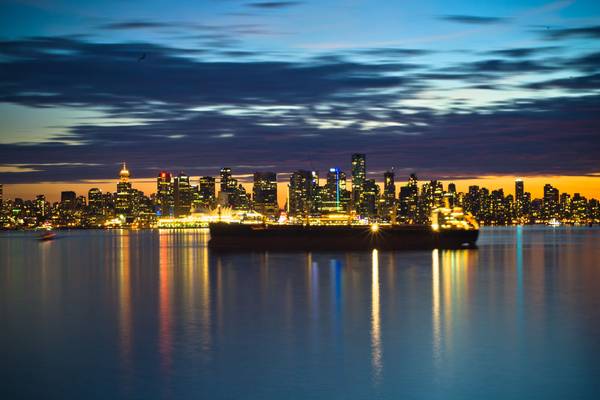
{"points": [[206, 193], [182, 194], [68, 200], [408, 201], [123, 204], [334, 198], [165, 200], [1, 196], [369, 197], [388, 209], [95, 201], [519, 197], [42, 208], [359, 175], [231, 194], [302, 193], [264, 193], [550, 202]]}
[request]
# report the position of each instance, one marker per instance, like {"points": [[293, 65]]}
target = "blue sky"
{"points": [[445, 88]]}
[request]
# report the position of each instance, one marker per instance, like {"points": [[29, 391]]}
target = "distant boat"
{"points": [[554, 222], [47, 236]]}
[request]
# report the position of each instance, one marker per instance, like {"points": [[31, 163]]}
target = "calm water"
{"points": [[148, 314]]}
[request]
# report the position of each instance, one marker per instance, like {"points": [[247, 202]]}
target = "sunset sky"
{"points": [[473, 92]]}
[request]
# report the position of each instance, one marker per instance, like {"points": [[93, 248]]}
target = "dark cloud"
{"points": [[523, 52], [473, 19], [133, 25], [274, 4], [592, 32], [573, 83], [290, 114]]}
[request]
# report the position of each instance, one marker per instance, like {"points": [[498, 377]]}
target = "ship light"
{"points": [[374, 228]]}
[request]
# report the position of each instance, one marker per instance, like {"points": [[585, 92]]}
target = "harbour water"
{"points": [[156, 315]]}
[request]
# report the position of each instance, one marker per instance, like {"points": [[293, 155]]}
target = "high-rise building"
{"points": [[369, 199], [68, 200], [334, 197], [264, 193], [408, 211], [165, 200], [182, 193], [519, 197], [388, 210], [95, 201], [359, 175], [1, 196], [229, 195], [302, 193], [206, 192], [550, 202], [123, 204]]}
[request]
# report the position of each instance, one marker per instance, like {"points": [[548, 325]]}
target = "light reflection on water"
{"points": [[154, 314]]}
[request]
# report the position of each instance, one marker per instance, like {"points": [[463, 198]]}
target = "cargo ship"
{"points": [[449, 230]]}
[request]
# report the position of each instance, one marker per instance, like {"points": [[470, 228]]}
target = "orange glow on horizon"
{"points": [[588, 186]]}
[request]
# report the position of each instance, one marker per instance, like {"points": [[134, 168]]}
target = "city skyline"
{"points": [[334, 197]]}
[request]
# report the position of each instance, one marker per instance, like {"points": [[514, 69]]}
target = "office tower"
{"points": [[302, 193], [95, 201], [68, 200], [550, 203], [206, 192], [182, 194], [369, 199], [165, 200], [359, 175], [519, 193], [123, 200], [333, 196], [450, 197], [389, 197], [42, 208], [408, 201], [264, 194], [231, 194], [1, 196]]}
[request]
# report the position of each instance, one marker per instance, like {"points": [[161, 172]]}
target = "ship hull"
{"points": [[240, 237]]}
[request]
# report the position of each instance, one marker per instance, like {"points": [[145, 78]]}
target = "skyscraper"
{"points": [[206, 190], [550, 202], [68, 200], [264, 193], [95, 201], [389, 197], [359, 175], [519, 193], [165, 201], [123, 204], [369, 197], [334, 196], [1, 195], [182, 193], [302, 193]]}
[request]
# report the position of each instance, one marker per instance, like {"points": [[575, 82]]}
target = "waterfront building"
{"points": [[165, 200], [264, 194], [302, 193], [359, 176], [333, 196], [206, 193], [182, 194], [68, 200], [388, 203], [123, 203]]}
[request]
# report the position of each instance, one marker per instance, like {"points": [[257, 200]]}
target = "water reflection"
{"points": [[164, 299], [376, 351], [125, 323]]}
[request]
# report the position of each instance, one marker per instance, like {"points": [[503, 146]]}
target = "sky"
{"points": [[457, 90]]}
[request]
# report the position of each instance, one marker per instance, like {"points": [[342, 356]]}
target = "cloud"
{"points": [[292, 113], [590, 32], [473, 19], [134, 25], [523, 52], [270, 5]]}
